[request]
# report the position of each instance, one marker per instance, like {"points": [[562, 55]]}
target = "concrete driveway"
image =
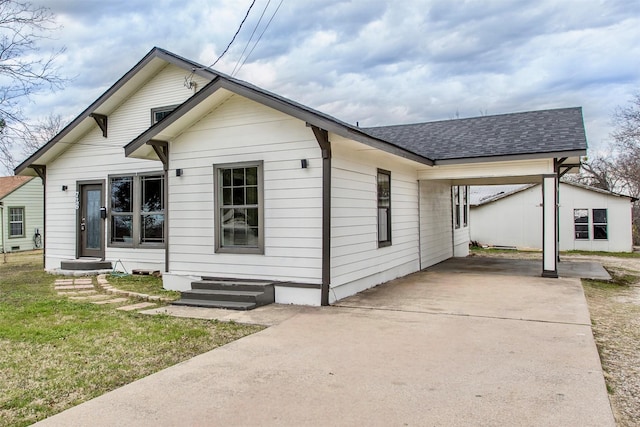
{"points": [[431, 349]]}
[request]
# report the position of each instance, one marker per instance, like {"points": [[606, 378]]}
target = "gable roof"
{"points": [[538, 134], [483, 195], [559, 131], [8, 184]]}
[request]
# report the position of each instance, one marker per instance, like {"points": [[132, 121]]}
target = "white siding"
{"points": [[516, 220], [30, 197], [94, 157], [356, 261], [436, 239], [240, 130]]}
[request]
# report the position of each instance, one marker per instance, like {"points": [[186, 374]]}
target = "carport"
{"points": [[520, 148]]}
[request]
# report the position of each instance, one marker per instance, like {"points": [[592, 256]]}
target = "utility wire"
{"points": [[250, 38], [235, 35], [261, 34]]}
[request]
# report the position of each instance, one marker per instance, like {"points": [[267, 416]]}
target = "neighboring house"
{"points": [[183, 169], [590, 219], [21, 213]]}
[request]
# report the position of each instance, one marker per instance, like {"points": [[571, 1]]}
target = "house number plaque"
{"points": [[77, 200]]}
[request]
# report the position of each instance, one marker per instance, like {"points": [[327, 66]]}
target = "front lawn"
{"points": [[56, 353]]}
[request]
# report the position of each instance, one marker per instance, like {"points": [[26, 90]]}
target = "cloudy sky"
{"points": [[375, 62]]}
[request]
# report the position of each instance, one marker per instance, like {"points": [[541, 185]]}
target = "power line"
{"points": [[251, 38], [235, 35], [261, 34]]}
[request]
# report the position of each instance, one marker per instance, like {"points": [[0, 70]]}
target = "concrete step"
{"points": [[231, 294], [231, 305], [223, 295], [85, 264]]}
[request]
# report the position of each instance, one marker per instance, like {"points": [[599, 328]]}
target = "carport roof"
{"points": [[533, 132]]}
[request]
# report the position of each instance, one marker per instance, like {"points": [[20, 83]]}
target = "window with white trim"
{"points": [[16, 222], [599, 217], [593, 227], [137, 210], [239, 207]]}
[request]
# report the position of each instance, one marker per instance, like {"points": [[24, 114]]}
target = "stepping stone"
{"points": [[86, 281], [74, 287], [136, 306], [111, 301], [90, 297], [64, 282], [80, 292]]}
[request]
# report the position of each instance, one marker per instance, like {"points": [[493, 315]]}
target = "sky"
{"points": [[373, 62]]}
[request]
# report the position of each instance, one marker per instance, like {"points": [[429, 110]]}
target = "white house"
{"points": [[21, 213], [185, 170], [590, 219]]}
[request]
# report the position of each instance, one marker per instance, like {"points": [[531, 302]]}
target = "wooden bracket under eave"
{"points": [[41, 171], [101, 120], [162, 151]]}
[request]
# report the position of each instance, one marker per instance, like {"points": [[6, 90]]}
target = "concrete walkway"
{"points": [[436, 349]]}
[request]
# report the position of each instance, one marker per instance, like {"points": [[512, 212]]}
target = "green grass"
{"points": [[56, 353], [150, 285], [601, 253]]}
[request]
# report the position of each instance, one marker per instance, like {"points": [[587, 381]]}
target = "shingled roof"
{"points": [[544, 131], [8, 184]]}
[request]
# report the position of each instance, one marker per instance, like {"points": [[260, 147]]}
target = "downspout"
{"points": [[322, 136], [162, 151]]}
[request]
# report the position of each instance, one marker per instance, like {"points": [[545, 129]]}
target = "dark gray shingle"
{"points": [[533, 132]]}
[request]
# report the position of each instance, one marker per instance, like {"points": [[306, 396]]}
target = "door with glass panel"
{"points": [[90, 222]]}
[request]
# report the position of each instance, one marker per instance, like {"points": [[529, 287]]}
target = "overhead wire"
{"points": [[235, 35], [261, 34], [255, 28]]}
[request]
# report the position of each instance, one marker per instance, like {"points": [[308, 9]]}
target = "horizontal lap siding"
{"points": [[355, 255], [240, 130], [94, 157], [435, 222], [30, 197]]}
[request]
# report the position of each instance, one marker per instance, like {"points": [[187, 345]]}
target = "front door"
{"points": [[90, 222]]}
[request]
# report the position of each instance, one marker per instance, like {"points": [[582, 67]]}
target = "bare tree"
{"points": [[40, 133], [23, 69], [627, 145]]}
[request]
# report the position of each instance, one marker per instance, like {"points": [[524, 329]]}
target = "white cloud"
{"points": [[375, 62]]}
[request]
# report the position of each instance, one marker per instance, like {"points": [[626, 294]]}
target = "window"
{"points": [[384, 208], [581, 223], [137, 210], [160, 113], [456, 206], [465, 206], [599, 217], [16, 222], [239, 222]]}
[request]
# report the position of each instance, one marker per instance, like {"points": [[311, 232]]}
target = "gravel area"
{"points": [[615, 317]]}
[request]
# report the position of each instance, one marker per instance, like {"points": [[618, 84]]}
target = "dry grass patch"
{"points": [[615, 317], [56, 353]]}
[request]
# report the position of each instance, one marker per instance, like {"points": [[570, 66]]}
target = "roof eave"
{"points": [[153, 54], [512, 157], [281, 105]]}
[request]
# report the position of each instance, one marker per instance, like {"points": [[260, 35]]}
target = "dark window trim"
{"points": [[165, 109], [465, 206], [137, 212], [388, 242], [24, 222], [455, 197], [217, 195]]}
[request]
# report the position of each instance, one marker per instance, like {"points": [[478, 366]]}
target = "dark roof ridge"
{"points": [[472, 118]]}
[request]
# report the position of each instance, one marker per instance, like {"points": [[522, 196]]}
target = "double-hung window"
{"points": [[384, 208], [137, 210], [460, 197], [599, 217], [239, 207], [598, 226], [16, 222]]}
